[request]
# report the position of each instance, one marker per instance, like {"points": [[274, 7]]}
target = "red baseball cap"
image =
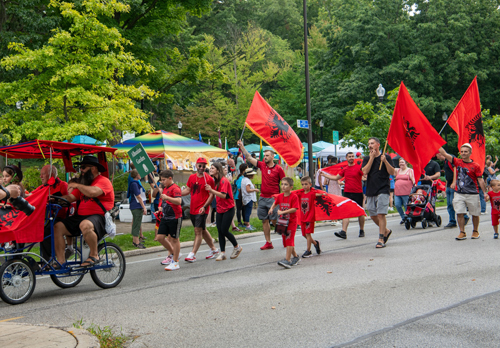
{"points": [[201, 160], [358, 154]]}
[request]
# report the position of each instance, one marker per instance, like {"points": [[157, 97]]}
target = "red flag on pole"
{"points": [[411, 135], [268, 125], [467, 122], [15, 225]]}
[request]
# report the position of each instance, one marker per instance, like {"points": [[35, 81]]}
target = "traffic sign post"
{"points": [[141, 160], [303, 124], [335, 138]]}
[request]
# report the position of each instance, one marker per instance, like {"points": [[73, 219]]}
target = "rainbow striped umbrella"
{"points": [[179, 152]]}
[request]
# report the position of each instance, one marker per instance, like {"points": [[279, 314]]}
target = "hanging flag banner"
{"points": [[467, 121], [268, 125], [411, 135]]}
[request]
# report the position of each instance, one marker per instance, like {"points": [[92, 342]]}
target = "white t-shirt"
{"points": [[245, 196]]}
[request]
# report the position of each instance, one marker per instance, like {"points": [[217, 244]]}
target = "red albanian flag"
{"points": [[15, 225], [467, 122], [335, 169], [333, 207], [411, 134], [268, 125]]}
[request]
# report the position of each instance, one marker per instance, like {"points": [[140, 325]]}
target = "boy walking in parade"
{"points": [[494, 197], [307, 201], [171, 222], [287, 204]]}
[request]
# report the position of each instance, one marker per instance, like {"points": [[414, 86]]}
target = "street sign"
{"points": [[303, 124], [141, 160], [335, 138]]}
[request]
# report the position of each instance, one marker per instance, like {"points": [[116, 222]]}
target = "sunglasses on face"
{"points": [[201, 165]]}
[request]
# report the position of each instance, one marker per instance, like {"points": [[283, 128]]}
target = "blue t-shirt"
{"points": [[157, 198], [135, 190], [392, 177], [238, 185]]}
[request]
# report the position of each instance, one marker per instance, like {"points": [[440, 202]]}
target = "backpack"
{"points": [[234, 188]]}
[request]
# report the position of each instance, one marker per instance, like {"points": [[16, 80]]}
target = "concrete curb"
{"points": [[158, 249], [26, 335]]}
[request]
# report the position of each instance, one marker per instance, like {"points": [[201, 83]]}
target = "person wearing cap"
{"points": [[96, 196], [359, 155], [248, 196], [467, 183], [200, 200], [271, 177]]}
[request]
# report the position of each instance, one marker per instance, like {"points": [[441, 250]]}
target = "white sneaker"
{"points": [[190, 258], [174, 266], [212, 254], [167, 260], [334, 223]]}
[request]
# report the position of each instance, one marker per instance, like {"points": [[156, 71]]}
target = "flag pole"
{"points": [[383, 154], [444, 126], [244, 126]]}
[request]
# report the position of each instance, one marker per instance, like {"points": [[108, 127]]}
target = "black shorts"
{"points": [[355, 196], [72, 224], [199, 220], [171, 227]]}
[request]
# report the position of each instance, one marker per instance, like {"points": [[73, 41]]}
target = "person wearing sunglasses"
{"points": [[96, 195], [200, 201]]}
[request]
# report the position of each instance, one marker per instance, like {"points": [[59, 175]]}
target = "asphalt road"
{"points": [[423, 290]]}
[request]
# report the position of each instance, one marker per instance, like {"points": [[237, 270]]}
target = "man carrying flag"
{"points": [[377, 167], [271, 177], [468, 181]]}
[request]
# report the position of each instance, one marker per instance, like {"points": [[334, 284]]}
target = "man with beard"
{"points": [[353, 189], [469, 180], [96, 196], [377, 167], [271, 177], [57, 188], [200, 200]]}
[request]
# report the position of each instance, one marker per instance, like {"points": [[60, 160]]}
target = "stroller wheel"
{"points": [[424, 223], [407, 224], [413, 224], [438, 221]]}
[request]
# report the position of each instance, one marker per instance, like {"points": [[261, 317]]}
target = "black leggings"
{"points": [[239, 208], [223, 224]]}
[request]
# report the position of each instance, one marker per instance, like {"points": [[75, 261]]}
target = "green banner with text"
{"points": [[141, 160]]}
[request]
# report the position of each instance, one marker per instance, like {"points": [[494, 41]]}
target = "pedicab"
{"points": [[19, 265]]}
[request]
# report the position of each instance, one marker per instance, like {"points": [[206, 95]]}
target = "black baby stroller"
{"points": [[421, 206]]}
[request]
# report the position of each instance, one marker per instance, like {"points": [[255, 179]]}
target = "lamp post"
{"points": [[321, 125], [179, 125], [308, 96], [445, 118], [380, 92], [19, 105]]}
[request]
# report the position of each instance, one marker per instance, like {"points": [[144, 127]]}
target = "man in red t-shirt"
{"points": [[271, 177], [353, 189], [200, 200], [467, 183], [171, 221], [494, 197], [96, 195]]}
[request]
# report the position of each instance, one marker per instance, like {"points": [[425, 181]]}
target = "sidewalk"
{"points": [[19, 335]]}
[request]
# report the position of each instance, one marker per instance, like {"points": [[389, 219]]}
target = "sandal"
{"points": [[139, 245], [380, 245], [90, 262], [386, 238], [142, 239]]}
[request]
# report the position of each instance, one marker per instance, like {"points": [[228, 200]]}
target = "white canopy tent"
{"points": [[342, 150]]}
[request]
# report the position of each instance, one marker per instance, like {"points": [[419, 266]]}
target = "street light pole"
{"points": [[308, 97], [380, 92]]}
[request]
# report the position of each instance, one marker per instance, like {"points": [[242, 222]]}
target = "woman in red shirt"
{"points": [[225, 210]]}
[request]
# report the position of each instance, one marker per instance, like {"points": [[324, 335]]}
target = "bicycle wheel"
{"points": [[112, 275], [17, 281], [70, 279]]}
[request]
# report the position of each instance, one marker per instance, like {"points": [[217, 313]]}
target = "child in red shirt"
{"points": [[494, 197], [307, 201], [288, 204]]}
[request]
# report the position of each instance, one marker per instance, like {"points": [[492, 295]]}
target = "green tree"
{"points": [[74, 83]]}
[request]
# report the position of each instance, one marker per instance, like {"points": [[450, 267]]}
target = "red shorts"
{"points": [[494, 219], [307, 228], [290, 240]]}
